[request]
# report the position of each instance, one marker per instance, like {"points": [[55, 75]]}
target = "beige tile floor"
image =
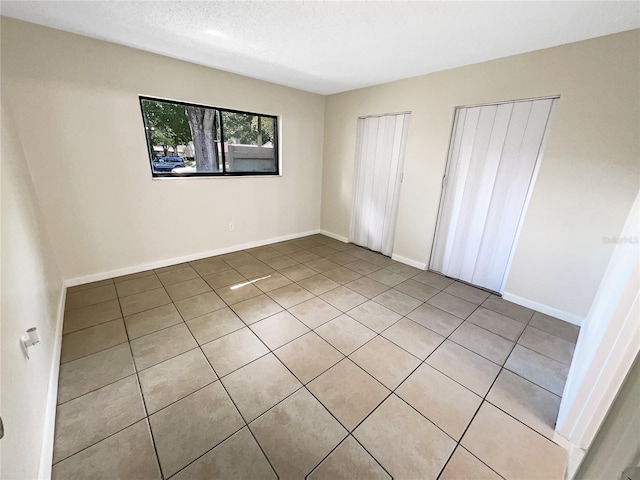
{"points": [[309, 357]]}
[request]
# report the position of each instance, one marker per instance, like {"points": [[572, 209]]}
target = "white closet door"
{"points": [[492, 159], [380, 150]]}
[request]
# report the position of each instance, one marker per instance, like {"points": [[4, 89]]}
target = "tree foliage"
{"points": [[167, 123], [242, 128]]}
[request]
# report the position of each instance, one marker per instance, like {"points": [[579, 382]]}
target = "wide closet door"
{"points": [[380, 146], [492, 158]]}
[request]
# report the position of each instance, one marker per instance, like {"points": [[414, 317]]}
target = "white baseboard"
{"points": [[186, 258], [46, 452], [408, 261], [335, 236], [539, 307]]}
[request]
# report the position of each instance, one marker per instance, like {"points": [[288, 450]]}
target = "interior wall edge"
{"points": [[72, 282], [335, 236], [409, 261], [46, 453], [546, 309]]}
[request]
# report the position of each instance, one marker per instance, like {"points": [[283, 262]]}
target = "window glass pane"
{"points": [[168, 134], [182, 138], [186, 140], [267, 131], [247, 149]]}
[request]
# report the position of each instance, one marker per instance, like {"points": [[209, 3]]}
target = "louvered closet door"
{"points": [[492, 159], [380, 146]]}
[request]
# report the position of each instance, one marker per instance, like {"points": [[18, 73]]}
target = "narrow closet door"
{"points": [[492, 159], [380, 146]]}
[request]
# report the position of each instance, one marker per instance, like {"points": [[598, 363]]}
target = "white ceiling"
{"points": [[330, 47]]}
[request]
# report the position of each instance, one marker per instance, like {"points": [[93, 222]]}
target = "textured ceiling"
{"points": [[329, 47]]}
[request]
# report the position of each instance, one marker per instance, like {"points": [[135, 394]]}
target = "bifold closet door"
{"points": [[492, 158], [380, 146]]}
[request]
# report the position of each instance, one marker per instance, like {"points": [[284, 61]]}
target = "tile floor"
{"points": [[309, 357]]}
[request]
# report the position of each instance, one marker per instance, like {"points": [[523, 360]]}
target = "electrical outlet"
{"points": [[231, 226]]}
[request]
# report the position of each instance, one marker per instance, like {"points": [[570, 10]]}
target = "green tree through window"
{"points": [[167, 124]]}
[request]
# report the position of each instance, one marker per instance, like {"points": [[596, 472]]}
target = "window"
{"points": [[188, 140]]}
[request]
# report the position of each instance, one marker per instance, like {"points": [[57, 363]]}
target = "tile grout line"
{"points": [[91, 326], [144, 404], [349, 435], [460, 446], [98, 388], [99, 441]]}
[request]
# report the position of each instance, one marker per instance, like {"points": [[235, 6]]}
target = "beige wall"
{"points": [[31, 297], [75, 103], [586, 183]]}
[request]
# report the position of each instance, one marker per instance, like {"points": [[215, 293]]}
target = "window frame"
{"points": [[223, 173]]}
